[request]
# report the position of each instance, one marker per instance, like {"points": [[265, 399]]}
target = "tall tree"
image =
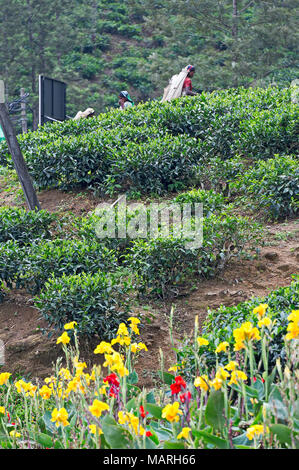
{"points": [[241, 41], [34, 35]]}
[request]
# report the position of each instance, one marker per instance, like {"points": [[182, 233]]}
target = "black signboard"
{"points": [[52, 100]]}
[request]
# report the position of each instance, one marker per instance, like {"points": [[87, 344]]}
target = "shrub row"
{"points": [[30, 267], [255, 123], [108, 161]]}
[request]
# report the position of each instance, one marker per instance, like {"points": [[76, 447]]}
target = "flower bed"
{"points": [[238, 404]]}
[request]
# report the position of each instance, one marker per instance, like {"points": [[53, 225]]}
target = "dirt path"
{"points": [[28, 352]]}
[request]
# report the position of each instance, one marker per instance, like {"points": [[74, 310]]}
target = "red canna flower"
{"points": [[185, 397], [175, 389], [148, 434], [178, 386], [142, 412], [112, 379], [180, 381]]}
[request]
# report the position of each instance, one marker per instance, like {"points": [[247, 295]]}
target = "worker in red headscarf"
{"points": [[187, 85]]}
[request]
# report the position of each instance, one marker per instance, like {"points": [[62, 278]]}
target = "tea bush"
{"points": [[97, 302], [212, 202], [156, 167], [273, 185], [32, 266], [11, 256], [162, 263], [25, 226]]}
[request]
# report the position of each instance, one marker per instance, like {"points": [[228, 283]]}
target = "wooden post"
{"points": [[23, 113], [16, 154]]}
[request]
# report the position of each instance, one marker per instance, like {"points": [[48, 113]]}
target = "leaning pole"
{"points": [[16, 154]]}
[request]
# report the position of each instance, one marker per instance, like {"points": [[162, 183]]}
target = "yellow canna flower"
{"points": [[135, 329], [174, 369], [266, 321], [60, 417], [79, 366], [65, 373], [260, 310], [256, 430], [112, 359], [184, 433], [294, 316], [15, 434], [120, 369], [138, 347], [4, 377], [222, 347], [26, 387], [132, 421], [102, 389], [222, 374], [2, 410], [293, 326], [246, 332], [94, 429], [122, 417], [202, 382], [45, 392], [134, 320], [216, 383], [71, 325], [122, 340], [64, 338], [50, 380], [293, 330], [122, 330], [171, 412], [103, 348], [237, 375], [202, 341], [73, 386], [98, 407], [231, 365]]}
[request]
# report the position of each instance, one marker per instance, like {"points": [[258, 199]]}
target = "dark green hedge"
{"points": [[255, 123]]}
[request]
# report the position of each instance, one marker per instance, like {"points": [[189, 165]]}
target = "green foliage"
{"points": [[212, 202], [25, 226], [97, 302], [30, 267], [160, 264], [154, 148], [140, 45], [218, 174], [273, 185]]}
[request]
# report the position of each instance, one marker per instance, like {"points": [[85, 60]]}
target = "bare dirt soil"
{"points": [[28, 352]]}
